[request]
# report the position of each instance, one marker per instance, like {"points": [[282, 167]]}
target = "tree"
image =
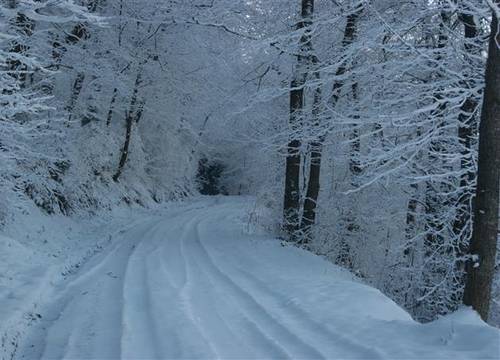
{"points": [[467, 128], [291, 204], [134, 114], [316, 147], [483, 246]]}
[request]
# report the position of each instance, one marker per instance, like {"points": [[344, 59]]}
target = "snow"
{"points": [[189, 281]]}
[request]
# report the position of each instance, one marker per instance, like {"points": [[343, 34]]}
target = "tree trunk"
{"points": [[434, 225], [467, 126], [293, 160], [134, 113], [485, 233], [349, 37], [111, 107], [75, 94], [313, 185], [344, 256], [354, 166], [411, 218]]}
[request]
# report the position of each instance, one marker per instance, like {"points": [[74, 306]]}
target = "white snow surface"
{"points": [[192, 282]]}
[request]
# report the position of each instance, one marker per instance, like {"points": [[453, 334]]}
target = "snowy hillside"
{"points": [[197, 280]]}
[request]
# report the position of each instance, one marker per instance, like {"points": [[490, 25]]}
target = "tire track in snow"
{"points": [[286, 338], [163, 302], [178, 325], [138, 336], [222, 319], [298, 317], [171, 321], [215, 313], [173, 258], [67, 319], [241, 322], [318, 333], [186, 292], [181, 309]]}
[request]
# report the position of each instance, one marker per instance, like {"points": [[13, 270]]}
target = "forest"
{"points": [[271, 168]]}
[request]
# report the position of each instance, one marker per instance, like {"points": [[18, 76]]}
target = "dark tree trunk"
{"points": [[485, 233], [467, 126], [140, 110], [411, 218], [313, 185], [344, 256], [121, 25], [411, 212], [433, 201], [75, 94], [354, 165], [293, 159], [58, 50], [409, 251], [134, 113], [111, 107], [411, 229], [349, 37]]}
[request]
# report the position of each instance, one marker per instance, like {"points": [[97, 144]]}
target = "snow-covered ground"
{"points": [[190, 281]]}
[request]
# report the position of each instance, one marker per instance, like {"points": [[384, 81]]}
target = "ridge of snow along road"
{"points": [[191, 284]]}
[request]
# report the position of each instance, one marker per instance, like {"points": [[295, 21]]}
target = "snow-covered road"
{"points": [[193, 284]]}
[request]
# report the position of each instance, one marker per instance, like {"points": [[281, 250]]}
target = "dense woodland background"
{"points": [[375, 106]]}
